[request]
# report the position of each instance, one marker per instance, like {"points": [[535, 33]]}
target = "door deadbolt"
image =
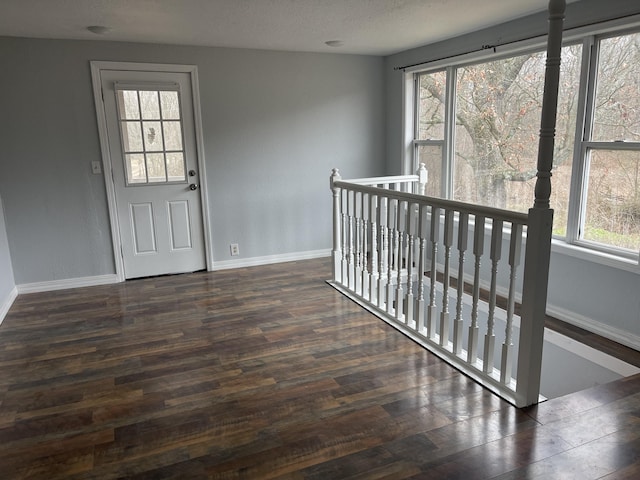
{"points": [[192, 173]]}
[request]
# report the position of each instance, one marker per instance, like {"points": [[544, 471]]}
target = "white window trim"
{"points": [[571, 245], [595, 256]]}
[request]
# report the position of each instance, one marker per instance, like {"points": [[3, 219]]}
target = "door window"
{"points": [[152, 135]]}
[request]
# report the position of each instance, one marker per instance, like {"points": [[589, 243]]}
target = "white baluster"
{"points": [[373, 214], [365, 245], [463, 233], [357, 271], [411, 228], [422, 263], [345, 240], [400, 235], [515, 250], [434, 235], [490, 338], [448, 242], [391, 230], [478, 251], [351, 275], [384, 240]]}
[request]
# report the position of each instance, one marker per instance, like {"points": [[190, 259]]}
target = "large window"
{"points": [[611, 197], [476, 129], [430, 128]]}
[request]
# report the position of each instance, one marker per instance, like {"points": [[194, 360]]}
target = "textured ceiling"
{"points": [[371, 27]]}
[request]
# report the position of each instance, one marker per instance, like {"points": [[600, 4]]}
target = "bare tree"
{"points": [[498, 106]]}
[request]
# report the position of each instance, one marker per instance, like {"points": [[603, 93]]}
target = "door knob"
{"points": [[193, 186]]}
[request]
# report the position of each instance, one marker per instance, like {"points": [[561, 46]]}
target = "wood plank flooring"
{"points": [[269, 373]]}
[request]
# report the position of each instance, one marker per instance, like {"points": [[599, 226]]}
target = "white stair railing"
{"points": [[394, 251], [402, 250]]}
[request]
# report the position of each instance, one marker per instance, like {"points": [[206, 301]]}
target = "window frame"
{"points": [[151, 87], [584, 144], [444, 144], [590, 38]]}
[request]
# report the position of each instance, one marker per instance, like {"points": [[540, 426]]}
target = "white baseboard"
{"points": [[6, 303], [223, 265], [67, 283], [269, 259], [612, 333]]}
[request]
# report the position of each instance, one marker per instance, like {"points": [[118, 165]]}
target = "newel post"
{"points": [[540, 225], [337, 220], [423, 177]]}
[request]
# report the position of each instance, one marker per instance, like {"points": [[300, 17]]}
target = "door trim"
{"points": [[96, 68]]}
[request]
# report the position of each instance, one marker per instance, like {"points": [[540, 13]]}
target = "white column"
{"points": [[336, 253], [540, 225]]}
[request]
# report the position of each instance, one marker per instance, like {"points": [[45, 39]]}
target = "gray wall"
{"points": [[275, 123], [7, 283], [599, 293], [592, 295]]}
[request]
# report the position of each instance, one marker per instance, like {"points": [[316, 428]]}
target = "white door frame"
{"points": [[192, 70]]}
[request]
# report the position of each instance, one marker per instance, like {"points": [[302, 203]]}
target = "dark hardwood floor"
{"points": [[267, 372]]}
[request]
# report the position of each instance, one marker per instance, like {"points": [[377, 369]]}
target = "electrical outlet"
{"points": [[96, 168], [235, 250]]}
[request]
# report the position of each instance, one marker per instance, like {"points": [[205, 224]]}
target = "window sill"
{"points": [[590, 255]]}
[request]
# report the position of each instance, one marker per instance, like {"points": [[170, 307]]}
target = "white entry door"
{"points": [[152, 146]]}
